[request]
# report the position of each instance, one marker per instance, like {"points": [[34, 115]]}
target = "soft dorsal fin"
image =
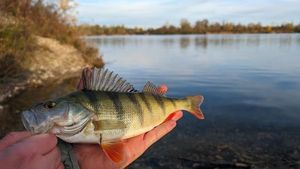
{"points": [[105, 80], [151, 88]]}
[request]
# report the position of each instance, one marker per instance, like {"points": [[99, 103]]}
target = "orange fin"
{"points": [[195, 110], [115, 151], [170, 117]]}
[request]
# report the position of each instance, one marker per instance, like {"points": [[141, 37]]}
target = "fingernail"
{"points": [[162, 88]]}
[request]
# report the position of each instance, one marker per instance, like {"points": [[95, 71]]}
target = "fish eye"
{"points": [[49, 104]]}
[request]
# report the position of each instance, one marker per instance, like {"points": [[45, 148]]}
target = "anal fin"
{"points": [[114, 151]]}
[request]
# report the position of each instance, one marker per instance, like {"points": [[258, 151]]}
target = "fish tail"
{"points": [[194, 108]]}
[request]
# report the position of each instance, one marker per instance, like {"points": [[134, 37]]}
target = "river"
{"points": [[251, 85]]}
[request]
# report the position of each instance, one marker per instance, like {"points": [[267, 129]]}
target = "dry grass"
{"points": [[16, 44], [20, 21]]}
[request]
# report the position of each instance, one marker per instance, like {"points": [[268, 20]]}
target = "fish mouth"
{"points": [[29, 121], [32, 124]]}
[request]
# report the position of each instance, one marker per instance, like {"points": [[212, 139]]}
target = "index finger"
{"points": [[158, 132], [139, 144], [38, 144], [12, 138], [161, 130]]}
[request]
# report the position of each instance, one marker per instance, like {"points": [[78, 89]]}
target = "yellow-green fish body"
{"points": [[118, 116]]}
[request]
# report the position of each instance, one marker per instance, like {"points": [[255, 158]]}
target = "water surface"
{"points": [[251, 85]]}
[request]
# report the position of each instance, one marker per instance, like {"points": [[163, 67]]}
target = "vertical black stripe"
{"points": [[92, 100], [143, 97], [138, 107], [160, 102], [173, 103], [114, 97], [100, 138]]}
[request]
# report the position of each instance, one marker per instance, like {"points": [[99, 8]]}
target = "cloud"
{"points": [[148, 13]]}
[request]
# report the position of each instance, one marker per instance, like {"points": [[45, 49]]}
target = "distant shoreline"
{"points": [[185, 27], [191, 34]]}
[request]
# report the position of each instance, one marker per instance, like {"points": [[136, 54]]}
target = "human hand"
{"points": [[22, 150], [92, 156]]}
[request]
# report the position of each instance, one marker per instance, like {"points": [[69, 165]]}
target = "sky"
{"points": [[155, 13]]}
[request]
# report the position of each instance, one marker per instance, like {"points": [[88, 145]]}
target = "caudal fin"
{"points": [[195, 102]]}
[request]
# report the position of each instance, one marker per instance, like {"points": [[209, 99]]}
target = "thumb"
{"points": [[162, 89]]}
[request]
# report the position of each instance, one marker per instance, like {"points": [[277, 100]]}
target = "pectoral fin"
{"points": [[108, 125], [114, 151]]}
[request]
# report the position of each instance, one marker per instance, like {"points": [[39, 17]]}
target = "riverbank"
{"points": [[50, 61], [38, 45]]}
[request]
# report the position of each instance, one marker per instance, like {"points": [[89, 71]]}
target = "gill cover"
{"points": [[77, 118]]}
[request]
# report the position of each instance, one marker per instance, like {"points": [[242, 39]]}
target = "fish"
{"points": [[106, 111]]}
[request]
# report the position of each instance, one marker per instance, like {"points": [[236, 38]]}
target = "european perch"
{"points": [[106, 111]]}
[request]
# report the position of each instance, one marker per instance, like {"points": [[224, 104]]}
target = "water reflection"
{"points": [[201, 41], [251, 85], [184, 42]]}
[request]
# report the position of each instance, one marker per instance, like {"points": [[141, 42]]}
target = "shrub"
{"points": [[21, 20], [16, 43]]}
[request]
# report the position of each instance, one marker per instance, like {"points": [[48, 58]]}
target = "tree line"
{"points": [[185, 27]]}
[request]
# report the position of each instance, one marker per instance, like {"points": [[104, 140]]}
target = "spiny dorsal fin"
{"points": [[151, 88], [105, 80]]}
